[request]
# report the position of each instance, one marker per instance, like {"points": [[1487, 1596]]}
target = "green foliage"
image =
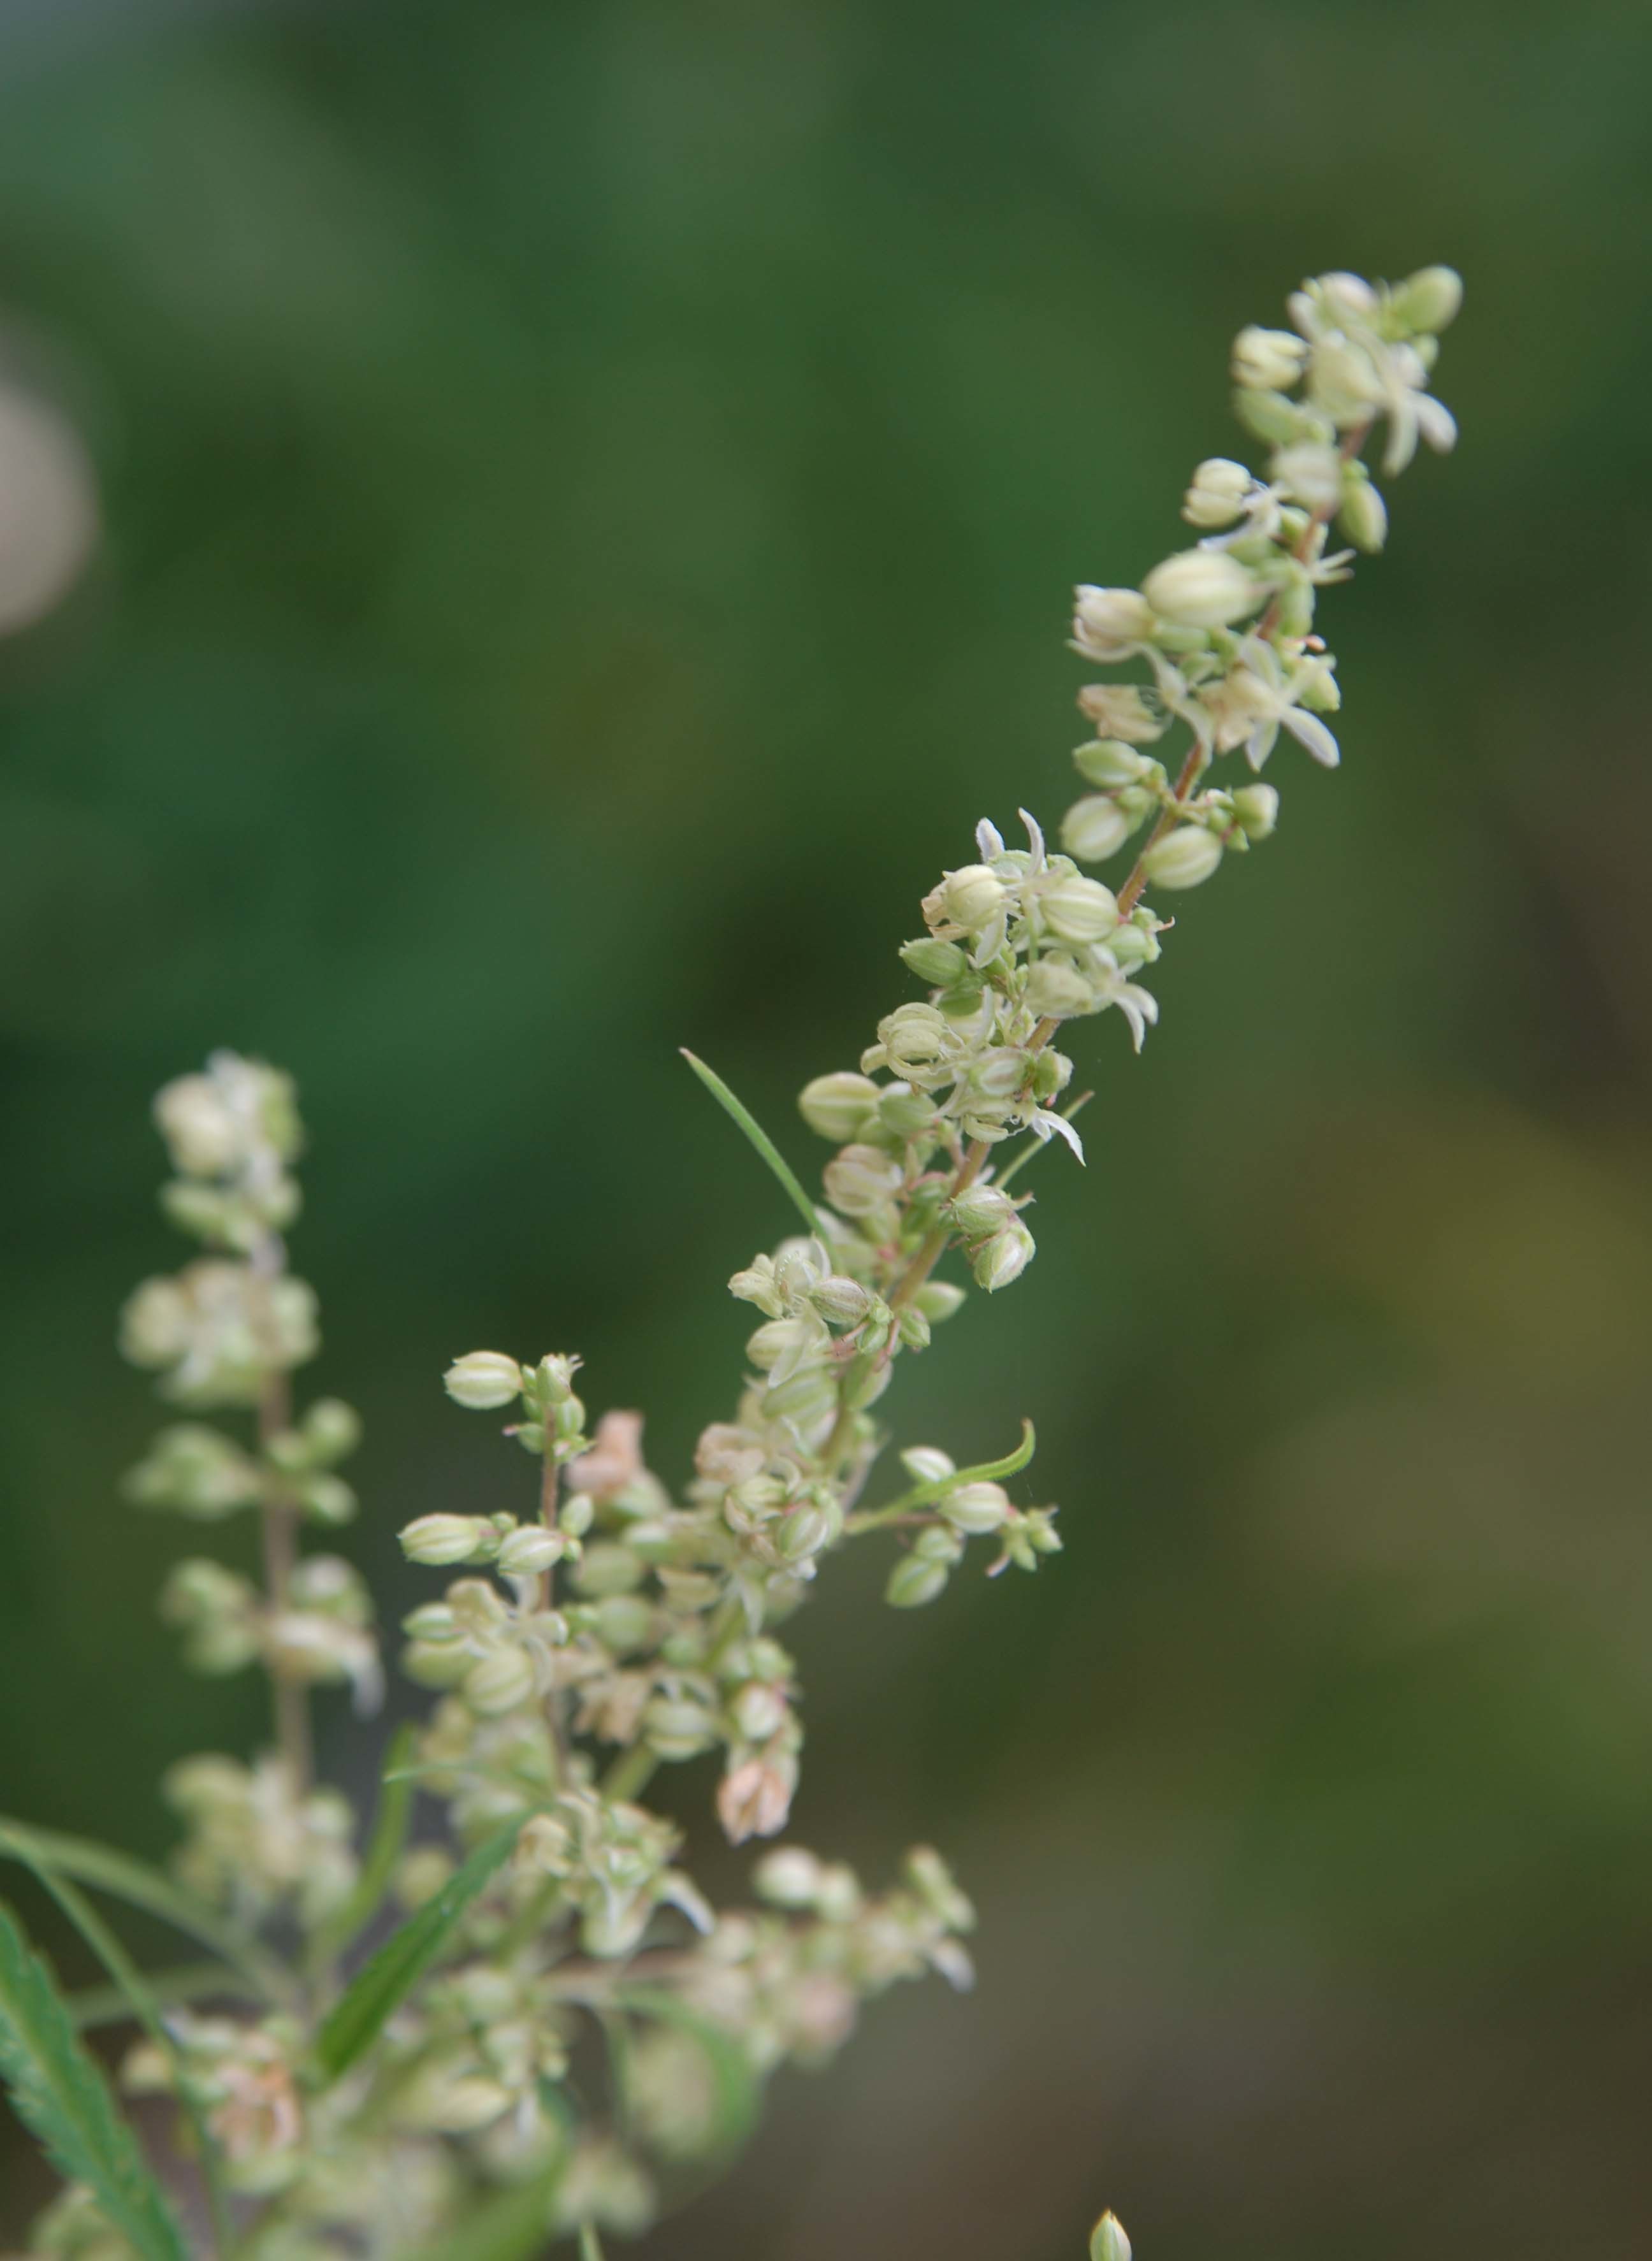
{"points": [[61, 2095], [759, 1138], [387, 1980]]}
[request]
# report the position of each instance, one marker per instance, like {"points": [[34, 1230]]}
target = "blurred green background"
{"points": [[592, 491]]}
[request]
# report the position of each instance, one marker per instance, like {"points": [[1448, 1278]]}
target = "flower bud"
{"points": [[482, 1380], [528, 1550], [1110, 623], [861, 1180], [624, 1622], [1119, 711], [913, 1581], [1217, 493], [1003, 1258], [437, 1539], [973, 896], [1309, 471], [835, 1107], [1275, 418], [918, 1041], [759, 1711], [1183, 858], [976, 1509], [939, 1300], [1056, 991], [789, 1878], [577, 1512], [1429, 299], [556, 1371], [844, 1302], [1202, 589], [1257, 808], [499, 1683], [1051, 1072], [938, 1544], [1269, 361], [1107, 2241], [904, 1112], [801, 1532], [980, 1209], [927, 1464], [940, 964], [330, 1429], [1077, 909], [678, 1729], [1363, 516], [608, 1567], [1095, 828]]}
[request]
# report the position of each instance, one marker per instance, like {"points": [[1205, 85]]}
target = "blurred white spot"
{"points": [[48, 508]]}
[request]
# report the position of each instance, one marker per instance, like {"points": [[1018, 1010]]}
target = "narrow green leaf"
{"points": [[386, 1981], [511, 2226], [590, 2242], [139, 1886], [759, 1138], [383, 1850], [130, 1981], [63, 2098], [183, 1982], [737, 2090]]}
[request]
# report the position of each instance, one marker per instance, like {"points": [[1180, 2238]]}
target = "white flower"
{"points": [[1203, 588], [1259, 696]]}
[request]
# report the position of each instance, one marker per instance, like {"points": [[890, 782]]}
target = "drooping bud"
{"points": [[913, 1581], [436, 1540], [1185, 857], [482, 1380], [1217, 493], [973, 896], [835, 1107], [1269, 361], [1110, 623], [980, 1209], [1077, 909], [1003, 1258], [861, 1180], [1110, 763], [939, 1300], [1429, 299], [1202, 589], [1256, 807], [1363, 515], [1095, 828]]}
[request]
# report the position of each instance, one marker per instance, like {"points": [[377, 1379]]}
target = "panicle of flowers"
{"points": [[619, 1623]]}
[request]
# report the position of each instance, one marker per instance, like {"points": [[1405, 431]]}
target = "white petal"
{"points": [[1401, 432], [1437, 425], [1308, 730], [1043, 1126], [1035, 837], [989, 840]]}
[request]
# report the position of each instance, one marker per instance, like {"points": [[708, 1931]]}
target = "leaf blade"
{"points": [[386, 1981], [383, 1850], [64, 2100], [759, 1138]]}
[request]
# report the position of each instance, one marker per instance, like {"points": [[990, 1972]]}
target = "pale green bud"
{"points": [[913, 1329], [1095, 828], [801, 1532], [1110, 763], [913, 1581], [1183, 858], [861, 1180], [998, 1073], [939, 1300], [1107, 2241], [904, 1112], [528, 1550], [835, 1107], [1051, 1072], [1218, 494], [1003, 1258], [759, 1711], [789, 1878], [327, 1499], [1429, 299], [915, 1039], [940, 964], [1118, 710], [330, 1429], [1077, 909], [973, 896], [556, 1371], [577, 1512], [482, 1380], [976, 1509], [778, 1341], [843, 1302], [624, 1622], [436, 1664], [1269, 361], [608, 1567], [1363, 516], [1257, 808], [499, 1683], [1202, 589], [1310, 471], [678, 1729], [938, 1544], [1055, 991], [436, 1540], [980, 1209], [1132, 946], [1110, 623], [927, 1464], [1273, 417]]}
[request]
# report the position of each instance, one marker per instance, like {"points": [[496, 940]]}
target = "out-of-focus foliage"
{"points": [[590, 491]]}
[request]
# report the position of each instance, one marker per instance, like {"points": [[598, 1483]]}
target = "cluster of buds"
{"points": [[255, 1846]]}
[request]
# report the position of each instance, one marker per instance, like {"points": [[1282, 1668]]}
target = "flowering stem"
{"points": [[280, 1523]]}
